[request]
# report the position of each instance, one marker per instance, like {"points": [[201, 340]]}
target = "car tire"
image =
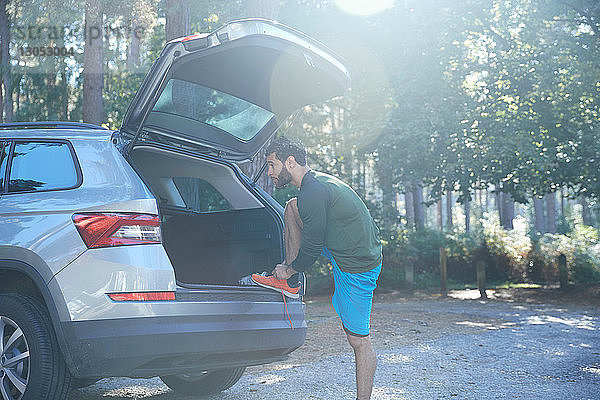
{"points": [[26, 332], [208, 382]]}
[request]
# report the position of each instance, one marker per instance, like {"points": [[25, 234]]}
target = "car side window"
{"points": [[4, 146], [199, 195], [41, 166]]}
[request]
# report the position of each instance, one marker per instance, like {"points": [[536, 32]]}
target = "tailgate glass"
{"points": [[234, 116]]}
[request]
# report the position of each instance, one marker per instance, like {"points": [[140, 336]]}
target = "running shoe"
{"points": [[279, 285]]}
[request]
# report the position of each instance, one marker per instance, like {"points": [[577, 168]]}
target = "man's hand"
{"points": [[283, 271]]}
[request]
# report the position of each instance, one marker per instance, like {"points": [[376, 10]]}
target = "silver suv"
{"points": [[121, 251]]}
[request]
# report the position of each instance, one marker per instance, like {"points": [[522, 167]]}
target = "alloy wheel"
{"points": [[14, 360]]}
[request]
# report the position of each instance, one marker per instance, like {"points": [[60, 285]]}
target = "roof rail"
{"points": [[49, 125]]}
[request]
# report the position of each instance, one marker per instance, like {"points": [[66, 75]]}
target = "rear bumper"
{"points": [[163, 345]]}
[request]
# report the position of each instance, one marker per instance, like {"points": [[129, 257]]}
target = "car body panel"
{"points": [[86, 281], [173, 344], [41, 222]]}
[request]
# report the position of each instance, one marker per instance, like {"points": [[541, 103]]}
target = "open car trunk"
{"points": [[215, 228]]}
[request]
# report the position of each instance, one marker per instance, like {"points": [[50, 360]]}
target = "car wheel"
{"points": [[31, 364], [205, 383]]}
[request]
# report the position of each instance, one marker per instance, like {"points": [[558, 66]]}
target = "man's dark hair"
{"points": [[284, 147]]}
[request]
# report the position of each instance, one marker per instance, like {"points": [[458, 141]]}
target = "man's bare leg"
{"points": [[292, 230], [366, 363]]}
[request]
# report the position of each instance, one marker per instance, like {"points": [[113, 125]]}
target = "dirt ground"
{"points": [[429, 341], [389, 329]]}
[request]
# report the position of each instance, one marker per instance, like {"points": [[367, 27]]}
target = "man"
{"points": [[329, 218]]}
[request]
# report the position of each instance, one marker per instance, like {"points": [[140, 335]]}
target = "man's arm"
{"points": [[312, 207]]}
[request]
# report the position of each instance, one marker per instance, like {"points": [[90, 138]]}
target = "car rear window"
{"points": [[199, 195], [41, 166], [221, 110]]}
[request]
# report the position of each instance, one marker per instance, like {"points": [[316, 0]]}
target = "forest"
{"points": [[471, 126]]}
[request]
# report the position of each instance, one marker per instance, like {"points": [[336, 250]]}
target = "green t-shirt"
{"points": [[334, 216]]}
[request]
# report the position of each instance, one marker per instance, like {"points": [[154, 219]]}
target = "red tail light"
{"points": [[112, 229], [142, 296]]}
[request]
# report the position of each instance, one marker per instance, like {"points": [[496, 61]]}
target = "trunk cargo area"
{"points": [[214, 228], [219, 247]]}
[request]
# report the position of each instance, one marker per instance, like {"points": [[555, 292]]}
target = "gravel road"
{"points": [[427, 349]]}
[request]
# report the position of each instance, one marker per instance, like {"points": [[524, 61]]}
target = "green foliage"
{"points": [[319, 278], [507, 251], [285, 193], [582, 249], [586, 268], [508, 255]]}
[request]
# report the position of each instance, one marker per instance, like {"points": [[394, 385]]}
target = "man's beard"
{"points": [[283, 178]]}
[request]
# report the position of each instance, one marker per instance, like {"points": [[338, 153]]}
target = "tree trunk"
{"points": [[177, 23], [418, 206], [487, 201], [467, 215], [551, 212], [563, 272], [5, 62], [262, 8], [562, 203], [64, 94], [387, 188], [133, 52], [508, 211], [93, 111], [481, 279], [499, 207], [17, 101], [538, 208], [449, 204], [440, 216], [410, 208], [133, 45], [585, 211], [443, 271]]}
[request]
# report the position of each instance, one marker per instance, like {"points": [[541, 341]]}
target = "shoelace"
{"points": [[286, 310]]}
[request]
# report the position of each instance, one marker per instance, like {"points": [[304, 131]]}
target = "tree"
{"points": [[141, 21], [410, 208], [538, 207], [5, 74], [263, 8], [419, 213], [585, 211], [177, 19], [93, 68], [551, 212], [449, 204], [506, 210]]}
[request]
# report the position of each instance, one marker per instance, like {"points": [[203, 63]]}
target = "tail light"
{"points": [[112, 229]]}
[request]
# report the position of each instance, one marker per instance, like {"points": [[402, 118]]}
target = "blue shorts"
{"points": [[353, 297]]}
